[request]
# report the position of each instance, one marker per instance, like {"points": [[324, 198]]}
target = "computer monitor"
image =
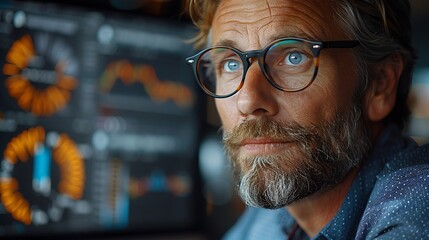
{"points": [[99, 123]]}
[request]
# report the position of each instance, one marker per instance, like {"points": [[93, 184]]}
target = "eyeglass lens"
{"points": [[289, 65]]}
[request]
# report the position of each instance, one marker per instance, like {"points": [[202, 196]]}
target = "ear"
{"points": [[380, 97]]}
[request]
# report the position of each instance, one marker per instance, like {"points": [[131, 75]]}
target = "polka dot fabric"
{"points": [[389, 199]]}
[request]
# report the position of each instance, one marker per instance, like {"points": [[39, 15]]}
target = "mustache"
{"points": [[268, 128]]}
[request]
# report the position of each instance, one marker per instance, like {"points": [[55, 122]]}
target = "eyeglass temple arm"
{"points": [[341, 44]]}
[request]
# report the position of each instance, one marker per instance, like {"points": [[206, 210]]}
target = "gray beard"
{"points": [[323, 157]]}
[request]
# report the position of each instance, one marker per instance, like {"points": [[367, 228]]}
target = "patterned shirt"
{"points": [[388, 199]]}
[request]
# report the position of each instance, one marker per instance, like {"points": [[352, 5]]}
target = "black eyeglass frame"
{"points": [[316, 47]]}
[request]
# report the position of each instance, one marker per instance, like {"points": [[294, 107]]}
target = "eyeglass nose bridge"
{"points": [[252, 54], [247, 56]]}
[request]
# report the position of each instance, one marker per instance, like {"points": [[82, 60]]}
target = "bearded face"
{"points": [[316, 157]]}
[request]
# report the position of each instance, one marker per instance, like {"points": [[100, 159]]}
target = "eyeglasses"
{"points": [[289, 64]]}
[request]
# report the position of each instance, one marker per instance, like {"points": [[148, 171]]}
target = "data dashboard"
{"points": [[99, 122]]}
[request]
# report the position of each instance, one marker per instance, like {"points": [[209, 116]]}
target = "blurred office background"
{"points": [[419, 95], [104, 133]]}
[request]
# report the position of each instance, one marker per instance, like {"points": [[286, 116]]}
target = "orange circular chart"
{"points": [[40, 73], [57, 176]]}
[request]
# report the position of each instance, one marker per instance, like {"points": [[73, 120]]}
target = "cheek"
{"points": [[329, 93], [227, 112], [308, 107], [334, 87]]}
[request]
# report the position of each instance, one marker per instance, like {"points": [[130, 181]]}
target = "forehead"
{"points": [[255, 23]]}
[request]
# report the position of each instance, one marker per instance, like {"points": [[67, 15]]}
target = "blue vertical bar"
{"points": [[123, 199], [41, 169]]}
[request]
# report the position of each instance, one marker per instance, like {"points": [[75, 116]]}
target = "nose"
{"points": [[256, 98]]}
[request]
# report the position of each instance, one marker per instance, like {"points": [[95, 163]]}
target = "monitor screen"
{"points": [[99, 122]]}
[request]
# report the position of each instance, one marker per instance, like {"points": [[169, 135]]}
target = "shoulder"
{"points": [[405, 187], [257, 223], [406, 174], [399, 203]]}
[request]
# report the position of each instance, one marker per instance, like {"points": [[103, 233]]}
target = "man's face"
{"points": [[282, 144]]}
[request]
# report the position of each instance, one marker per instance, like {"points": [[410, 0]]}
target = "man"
{"points": [[312, 98]]}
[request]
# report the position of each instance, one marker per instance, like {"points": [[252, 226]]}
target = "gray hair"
{"points": [[383, 28]]}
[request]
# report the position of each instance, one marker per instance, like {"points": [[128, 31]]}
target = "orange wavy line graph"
{"points": [[41, 102], [65, 153], [178, 185], [158, 90]]}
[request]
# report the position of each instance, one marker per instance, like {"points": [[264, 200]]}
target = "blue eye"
{"points": [[231, 65], [295, 58]]}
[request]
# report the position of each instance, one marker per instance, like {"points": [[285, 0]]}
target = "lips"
{"points": [[263, 146], [261, 140]]}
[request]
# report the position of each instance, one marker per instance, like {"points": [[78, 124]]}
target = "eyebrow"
{"points": [[227, 43]]}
